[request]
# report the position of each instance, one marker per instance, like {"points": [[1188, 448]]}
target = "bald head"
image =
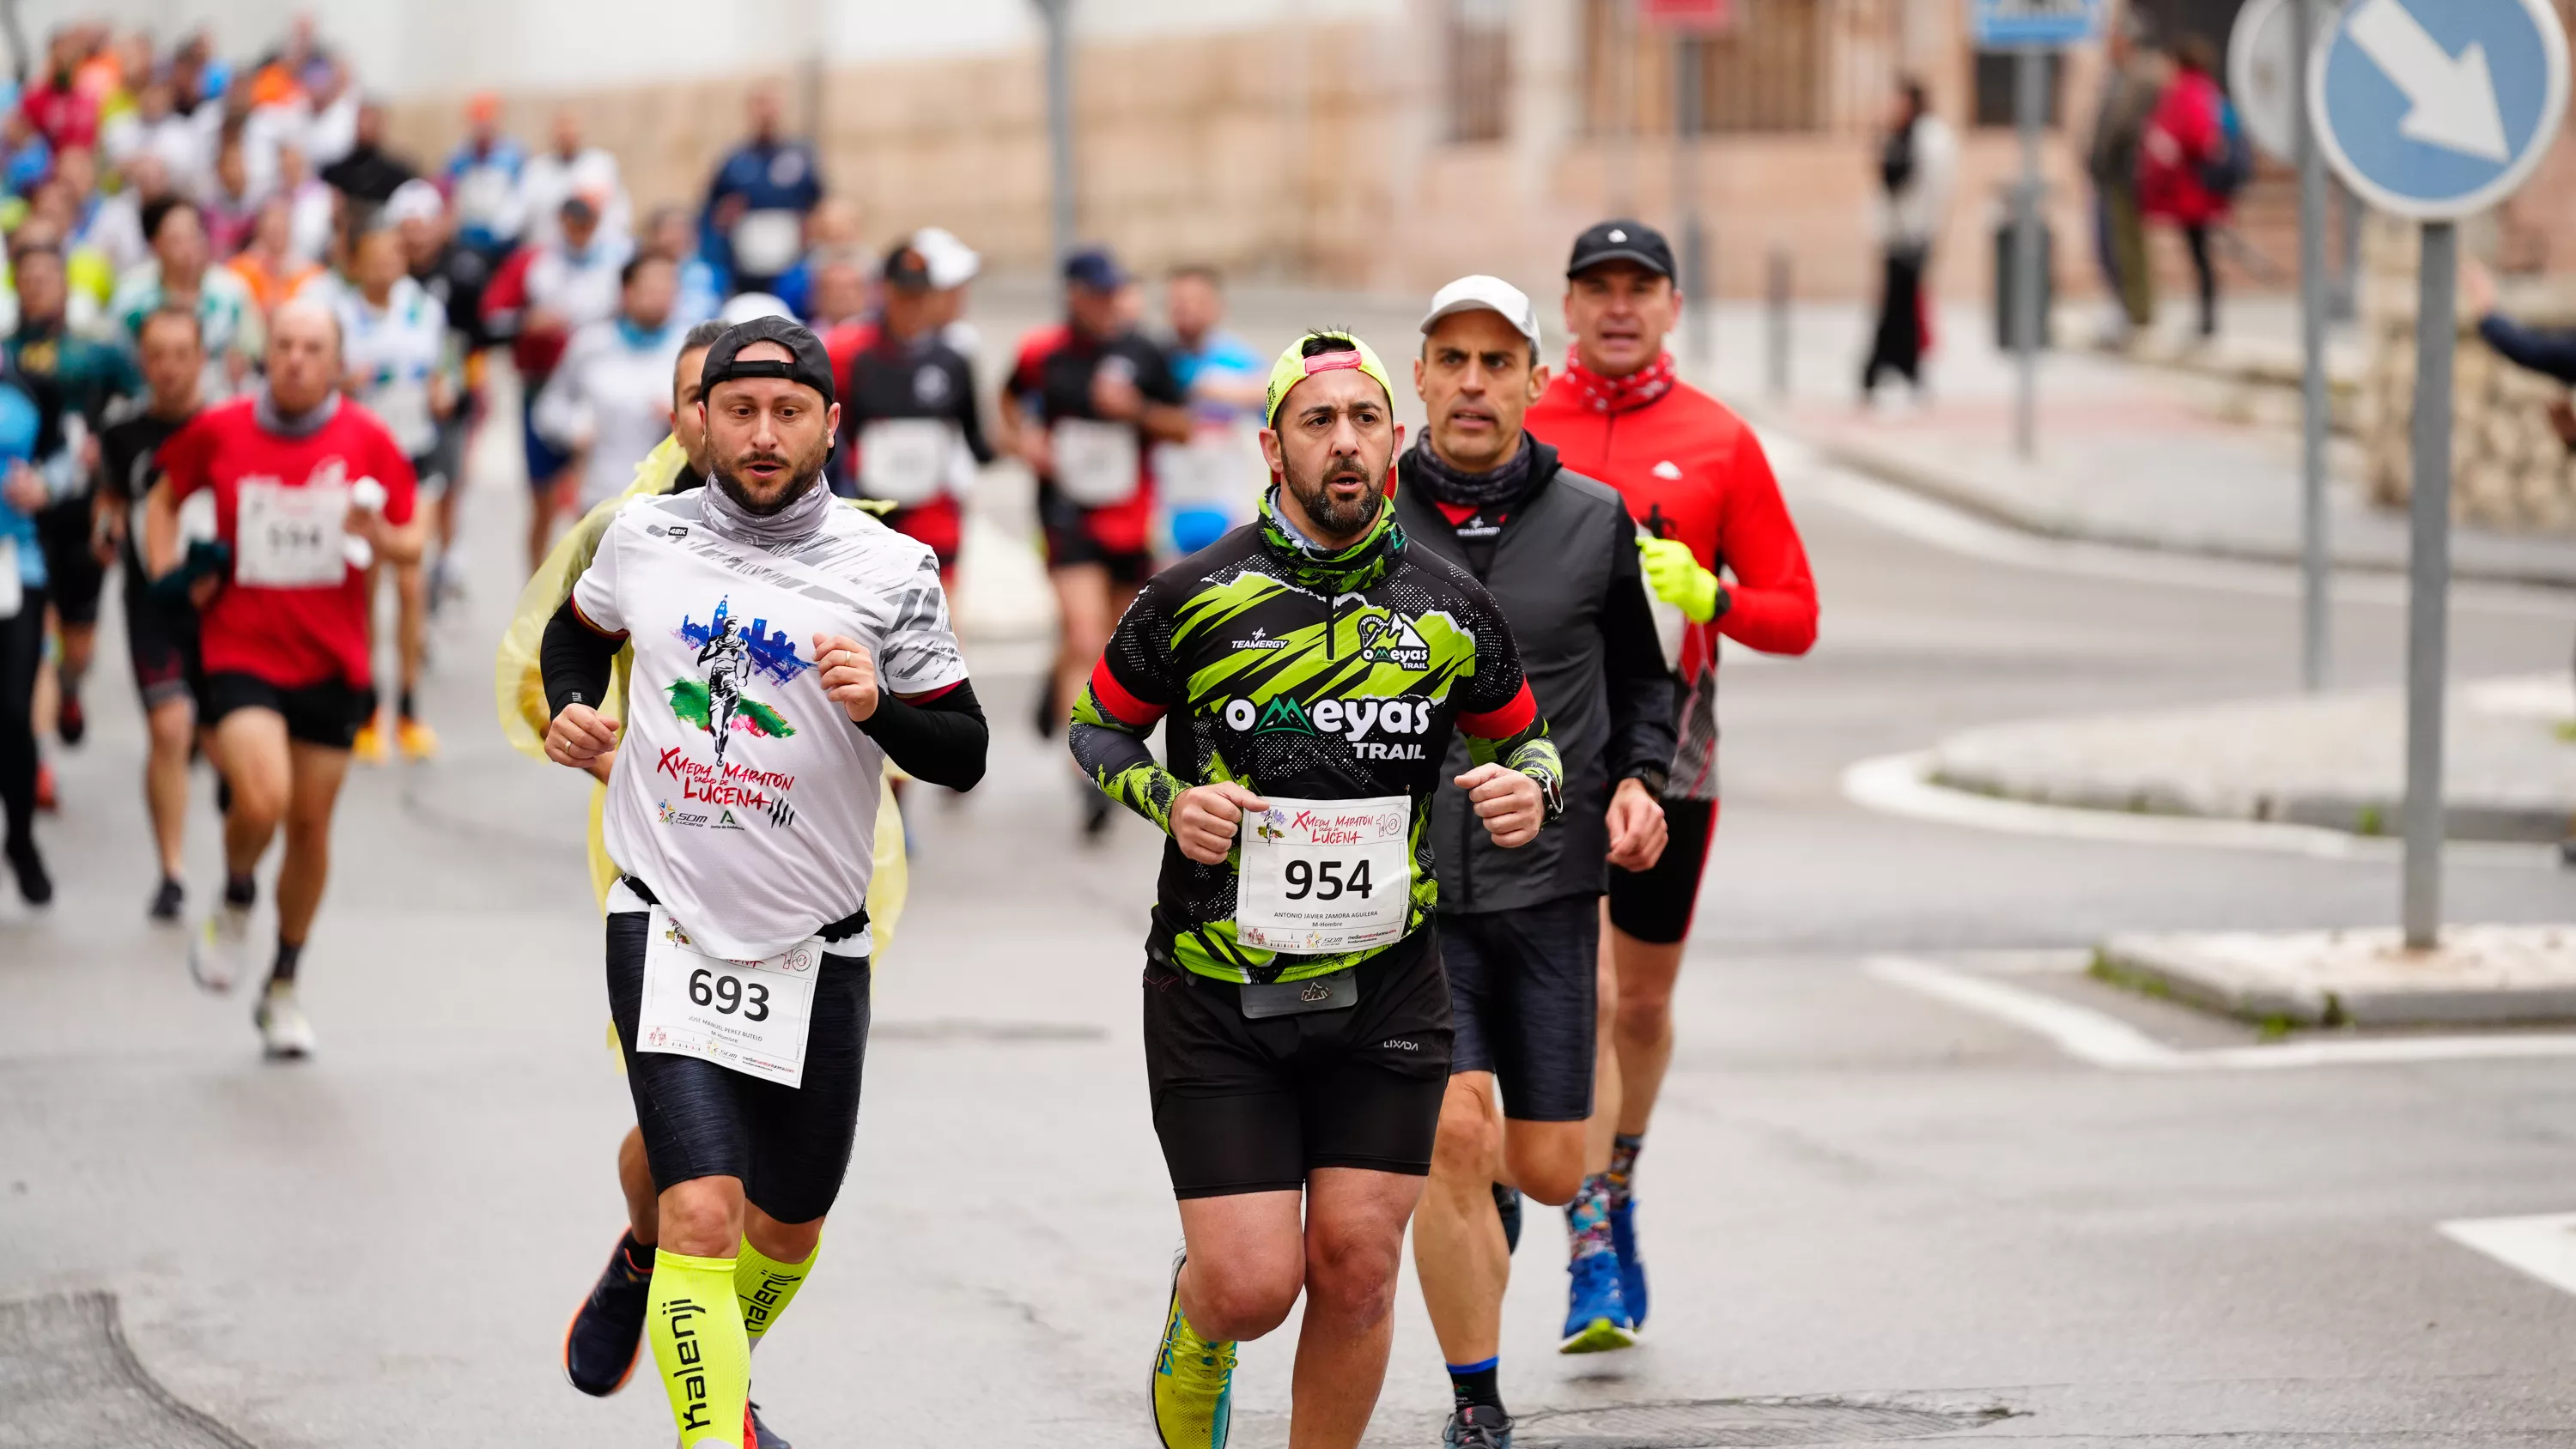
{"points": [[303, 355]]}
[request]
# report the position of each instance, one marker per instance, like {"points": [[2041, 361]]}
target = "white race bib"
{"points": [[1321, 877], [1095, 461], [13, 590], [765, 243], [403, 408], [1218, 465], [746, 1016], [291, 538], [905, 460]]}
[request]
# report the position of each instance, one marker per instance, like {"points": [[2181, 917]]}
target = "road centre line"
{"points": [[2100, 1039]]}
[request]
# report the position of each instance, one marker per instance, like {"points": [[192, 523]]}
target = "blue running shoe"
{"points": [[1632, 1269], [1596, 1319]]}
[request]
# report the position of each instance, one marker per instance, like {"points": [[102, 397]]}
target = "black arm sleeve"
{"points": [[970, 415], [2550, 353], [1633, 673], [575, 659], [941, 740]]}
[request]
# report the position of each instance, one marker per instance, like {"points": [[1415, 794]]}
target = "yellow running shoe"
{"points": [[369, 746], [417, 740], [1193, 1381]]}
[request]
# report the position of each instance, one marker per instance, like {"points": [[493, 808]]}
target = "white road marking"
{"points": [[1898, 785], [2103, 1040], [2544, 1247]]}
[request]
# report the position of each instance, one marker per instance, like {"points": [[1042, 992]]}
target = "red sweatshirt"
{"points": [[1691, 470]]}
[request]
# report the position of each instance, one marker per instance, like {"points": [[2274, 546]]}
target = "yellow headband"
{"points": [[1293, 368]]}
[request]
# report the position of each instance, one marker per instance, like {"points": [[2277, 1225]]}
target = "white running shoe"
{"points": [[220, 955], [282, 1027]]}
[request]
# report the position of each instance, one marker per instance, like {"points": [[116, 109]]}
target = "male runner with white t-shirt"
{"points": [[737, 941]]}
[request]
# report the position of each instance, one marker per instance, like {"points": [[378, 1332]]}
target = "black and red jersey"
{"points": [[1052, 381]]}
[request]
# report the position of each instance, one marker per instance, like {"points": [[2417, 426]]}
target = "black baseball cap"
{"points": [[906, 270], [1622, 240], [1094, 269], [811, 365]]}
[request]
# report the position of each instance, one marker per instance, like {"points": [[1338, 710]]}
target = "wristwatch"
{"points": [[1655, 778]]}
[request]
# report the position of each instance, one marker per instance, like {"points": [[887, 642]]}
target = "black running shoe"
{"points": [[70, 720], [29, 867], [169, 901], [767, 1437], [1507, 1202], [600, 1343], [1477, 1426]]}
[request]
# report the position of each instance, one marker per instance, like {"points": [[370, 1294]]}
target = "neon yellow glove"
{"points": [[1677, 578]]}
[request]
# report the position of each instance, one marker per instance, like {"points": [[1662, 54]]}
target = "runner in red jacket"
{"points": [[1694, 477]]}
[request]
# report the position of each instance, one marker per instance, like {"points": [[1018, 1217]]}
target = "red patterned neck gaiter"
{"points": [[1621, 394]]}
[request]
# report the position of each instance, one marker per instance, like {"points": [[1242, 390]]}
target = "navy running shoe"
{"points": [[607, 1331], [763, 1436]]}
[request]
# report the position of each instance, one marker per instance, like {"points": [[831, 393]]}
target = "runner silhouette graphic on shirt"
{"points": [[726, 657]]}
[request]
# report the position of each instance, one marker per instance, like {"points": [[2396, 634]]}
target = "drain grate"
{"points": [[1736, 1424], [67, 1379]]}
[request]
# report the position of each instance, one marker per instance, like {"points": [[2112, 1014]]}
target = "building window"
{"points": [[1480, 69], [1764, 74], [1996, 72]]}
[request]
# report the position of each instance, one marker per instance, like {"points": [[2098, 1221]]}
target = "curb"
{"points": [[1937, 484], [2194, 971], [2361, 816]]}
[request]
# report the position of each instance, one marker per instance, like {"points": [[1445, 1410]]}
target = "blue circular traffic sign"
{"points": [[2433, 109]]}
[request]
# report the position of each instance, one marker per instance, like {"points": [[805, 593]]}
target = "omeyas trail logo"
{"points": [[1393, 640], [734, 658], [1284, 716]]}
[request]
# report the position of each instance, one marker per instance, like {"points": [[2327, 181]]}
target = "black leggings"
{"points": [[22, 649], [1898, 346], [2206, 269]]}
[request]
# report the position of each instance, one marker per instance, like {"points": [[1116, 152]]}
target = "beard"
{"points": [[803, 475], [1338, 521]]}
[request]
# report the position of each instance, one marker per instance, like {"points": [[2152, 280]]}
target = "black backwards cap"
{"points": [[811, 365]]}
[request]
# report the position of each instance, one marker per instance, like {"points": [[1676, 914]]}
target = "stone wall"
{"points": [[2509, 468]]}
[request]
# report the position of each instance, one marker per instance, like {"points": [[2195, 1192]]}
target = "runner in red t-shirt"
{"points": [[308, 488], [1695, 477]]}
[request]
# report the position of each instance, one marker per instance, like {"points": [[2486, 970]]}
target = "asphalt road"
{"points": [[1870, 1215]]}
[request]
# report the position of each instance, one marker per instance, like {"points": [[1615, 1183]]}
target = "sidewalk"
{"points": [[2334, 760], [2141, 454]]}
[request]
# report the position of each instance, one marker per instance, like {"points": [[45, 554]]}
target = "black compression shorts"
{"points": [[1255, 1106], [1525, 993], [162, 640], [1655, 906], [789, 1146], [326, 714], [1070, 540], [77, 578]]}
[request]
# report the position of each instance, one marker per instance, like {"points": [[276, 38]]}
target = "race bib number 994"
{"points": [[747, 1016], [1321, 877]]}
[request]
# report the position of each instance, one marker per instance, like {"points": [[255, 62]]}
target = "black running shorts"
{"points": [[1525, 992], [1655, 906], [162, 640], [1070, 540], [77, 578], [326, 714], [790, 1146], [1255, 1106]]}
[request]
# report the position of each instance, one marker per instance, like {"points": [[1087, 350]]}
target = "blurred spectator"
{"points": [[838, 294], [272, 267], [231, 203], [832, 230], [2135, 79], [753, 225], [55, 105], [369, 173], [610, 399], [335, 110], [114, 232], [482, 178], [197, 77], [2551, 352], [1203, 489], [546, 292], [182, 274], [25, 154], [311, 205], [670, 232], [447, 269], [1917, 160], [118, 227], [2185, 135], [571, 168], [156, 130]]}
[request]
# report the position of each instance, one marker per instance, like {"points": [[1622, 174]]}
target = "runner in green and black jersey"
{"points": [[1313, 668]]}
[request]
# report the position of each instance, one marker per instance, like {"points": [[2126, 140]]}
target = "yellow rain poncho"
{"points": [[519, 690]]}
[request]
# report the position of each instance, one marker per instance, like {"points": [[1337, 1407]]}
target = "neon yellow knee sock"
{"points": [[765, 1286], [699, 1345]]}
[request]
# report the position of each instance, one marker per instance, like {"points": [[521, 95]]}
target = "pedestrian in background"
{"points": [[753, 225], [1916, 163], [2132, 81], [2186, 135]]}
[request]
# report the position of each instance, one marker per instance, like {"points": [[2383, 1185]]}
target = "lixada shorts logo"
{"points": [[673, 815], [1352, 719], [1393, 640]]}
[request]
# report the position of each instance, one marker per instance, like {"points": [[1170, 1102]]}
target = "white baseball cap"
{"points": [[749, 306], [414, 200], [950, 262], [1481, 293]]}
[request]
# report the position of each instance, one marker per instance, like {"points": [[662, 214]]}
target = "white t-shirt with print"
{"points": [[396, 350], [742, 795]]}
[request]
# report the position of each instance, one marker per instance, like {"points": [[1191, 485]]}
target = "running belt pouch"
{"points": [[1296, 998]]}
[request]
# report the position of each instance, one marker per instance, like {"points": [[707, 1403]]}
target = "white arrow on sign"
{"points": [[2454, 97]]}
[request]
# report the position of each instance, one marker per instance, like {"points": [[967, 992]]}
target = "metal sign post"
{"points": [[2030, 29], [2431, 110], [1689, 22], [1058, 15]]}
